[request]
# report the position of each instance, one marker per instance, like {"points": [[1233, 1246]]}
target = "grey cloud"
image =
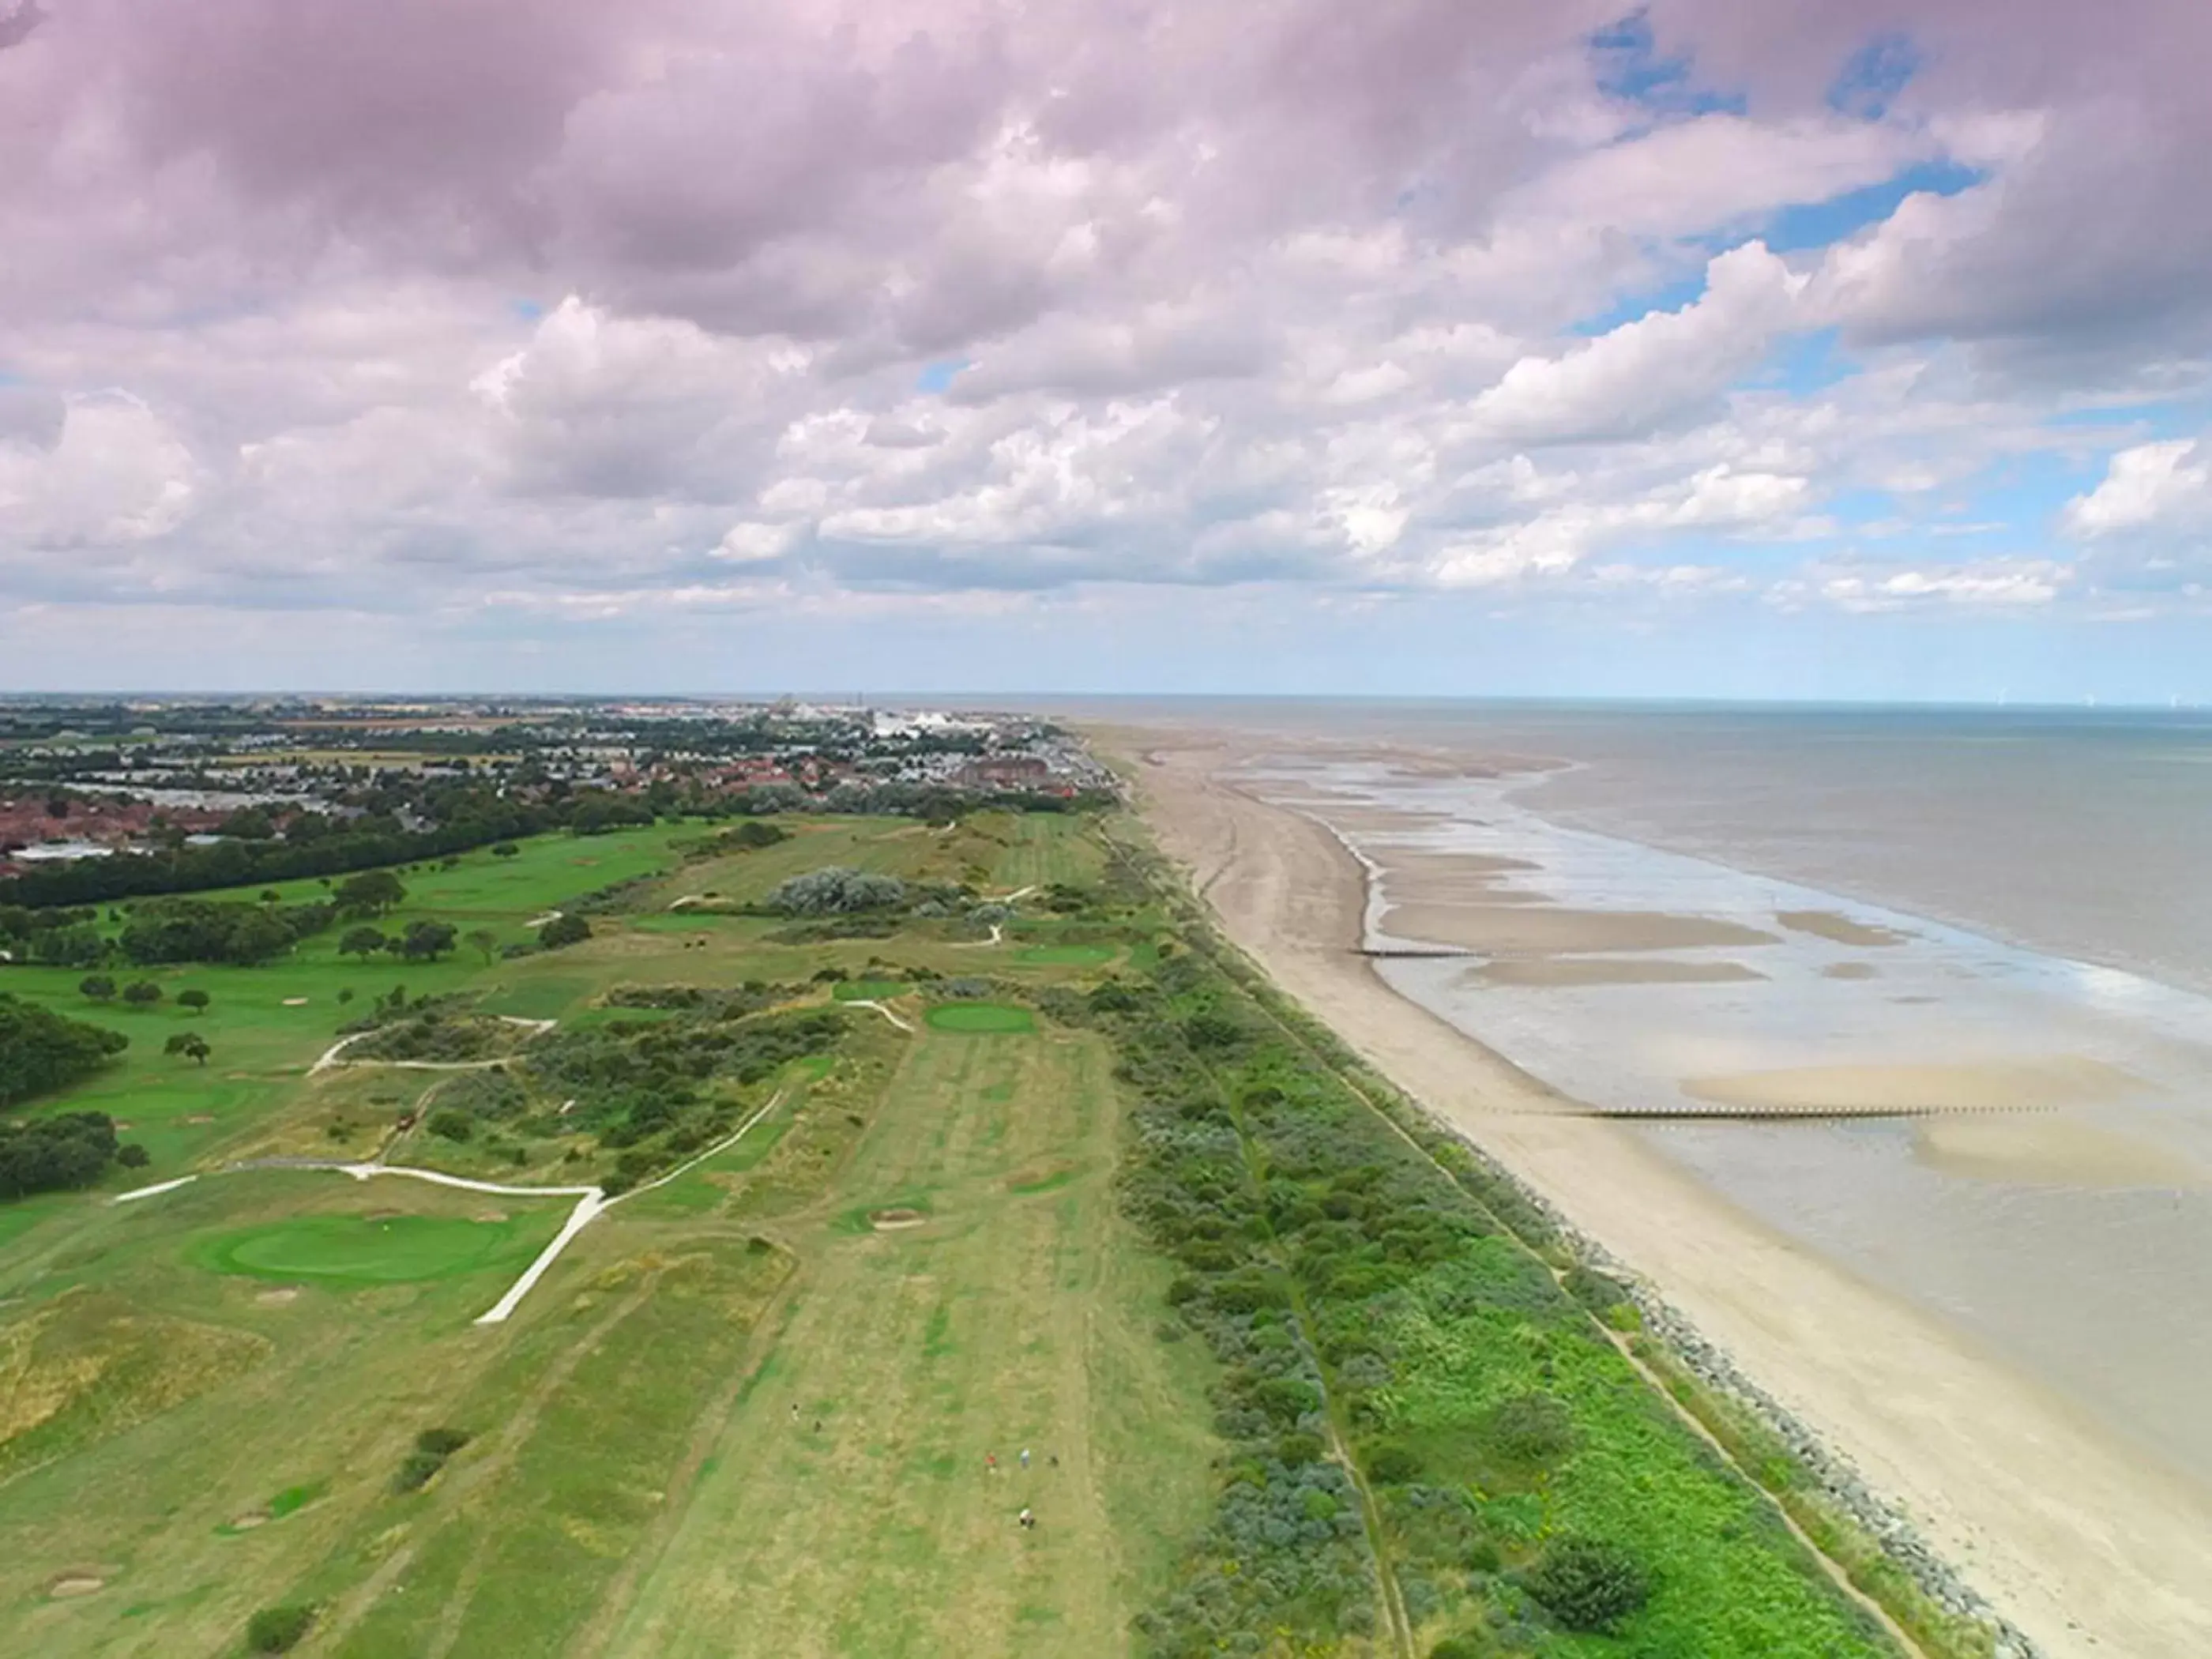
{"points": [[31, 416], [15, 28]]}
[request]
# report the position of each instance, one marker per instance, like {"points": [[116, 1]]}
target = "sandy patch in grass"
{"points": [[249, 1521], [1492, 929], [1840, 929], [1599, 970], [78, 1581], [2051, 1150], [1849, 971], [200, 1117], [891, 1221], [1976, 1086], [282, 1296], [295, 1002]]}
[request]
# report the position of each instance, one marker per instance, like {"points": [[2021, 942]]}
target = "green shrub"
{"points": [[441, 1442], [278, 1630], [1458, 1647], [1394, 1464], [1589, 1584], [416, 1470], [449, 1123], [1530, 1429]]}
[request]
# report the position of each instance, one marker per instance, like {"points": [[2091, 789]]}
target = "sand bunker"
{"points": [[281, 1297], [74, 1583], [890, 1221], [295, 1002], [1566, 971], [1974, 1086], [249, 1521], [2052, 1151], [1849, 971], [1543, 930], [1840, 929]]}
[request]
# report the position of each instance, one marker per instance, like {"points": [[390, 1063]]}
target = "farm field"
{"points": [[207, 1395]]}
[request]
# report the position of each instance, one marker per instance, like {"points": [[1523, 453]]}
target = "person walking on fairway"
{"points": [[990, 1462], [1025, 1457], [1028, 1519]]}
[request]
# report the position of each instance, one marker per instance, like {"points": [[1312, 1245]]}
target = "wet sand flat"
{"points": [[2060, 1080], [1530, 930], [2052, 1151], [1569, 971], [1840, 929]]}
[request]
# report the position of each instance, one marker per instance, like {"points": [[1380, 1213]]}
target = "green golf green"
{"points": [[357, 1250], [1067, 956], [981, 1018]]}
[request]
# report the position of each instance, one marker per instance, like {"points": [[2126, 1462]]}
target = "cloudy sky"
{"points": [[1817, 348]]}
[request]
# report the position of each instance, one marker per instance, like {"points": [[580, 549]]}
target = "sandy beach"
{"points": [[2085, 1544]]}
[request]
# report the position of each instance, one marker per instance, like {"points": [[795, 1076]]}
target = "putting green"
{"points": [[981, 1017], [1068, 956], [346, 1250]]}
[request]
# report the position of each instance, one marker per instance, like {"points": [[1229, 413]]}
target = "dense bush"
{"points": [[567, 928], [1327, 1237], [835, 891], [41, 1050], [278, 1630], [50, 1154], [1589, 1584]]}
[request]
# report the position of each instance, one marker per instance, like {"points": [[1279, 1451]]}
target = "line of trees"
{"points": [[237, 863], [41, 1050]]}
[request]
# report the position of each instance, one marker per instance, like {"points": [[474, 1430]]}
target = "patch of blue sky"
{"points": [[1626, 61], [1670, 296], [1810, 225], [9, 377], [938, 377], [1802, 364], [1873, 76], [526, 311]]}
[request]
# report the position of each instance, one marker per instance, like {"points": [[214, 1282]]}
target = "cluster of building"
{"points": [[82, 780]]}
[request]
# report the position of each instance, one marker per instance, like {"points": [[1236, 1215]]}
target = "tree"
{"points": [[141, 993], [371, 893], [504, 849], [482, 939], [191, 1044], [194, 999], [99, 986], [363, 942], [451, 1123], [567, 928], [132, 1156], [426, 941]]}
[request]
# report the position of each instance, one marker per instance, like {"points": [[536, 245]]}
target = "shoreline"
{"points": [[1991, 1490]]}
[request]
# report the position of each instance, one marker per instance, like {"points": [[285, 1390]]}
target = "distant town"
{"points": [[90, 780]]}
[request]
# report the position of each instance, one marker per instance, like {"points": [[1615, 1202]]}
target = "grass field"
{"points": [[205, 1396]]}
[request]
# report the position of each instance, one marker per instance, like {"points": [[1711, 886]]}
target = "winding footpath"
{"points": [[592, 1202]]}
